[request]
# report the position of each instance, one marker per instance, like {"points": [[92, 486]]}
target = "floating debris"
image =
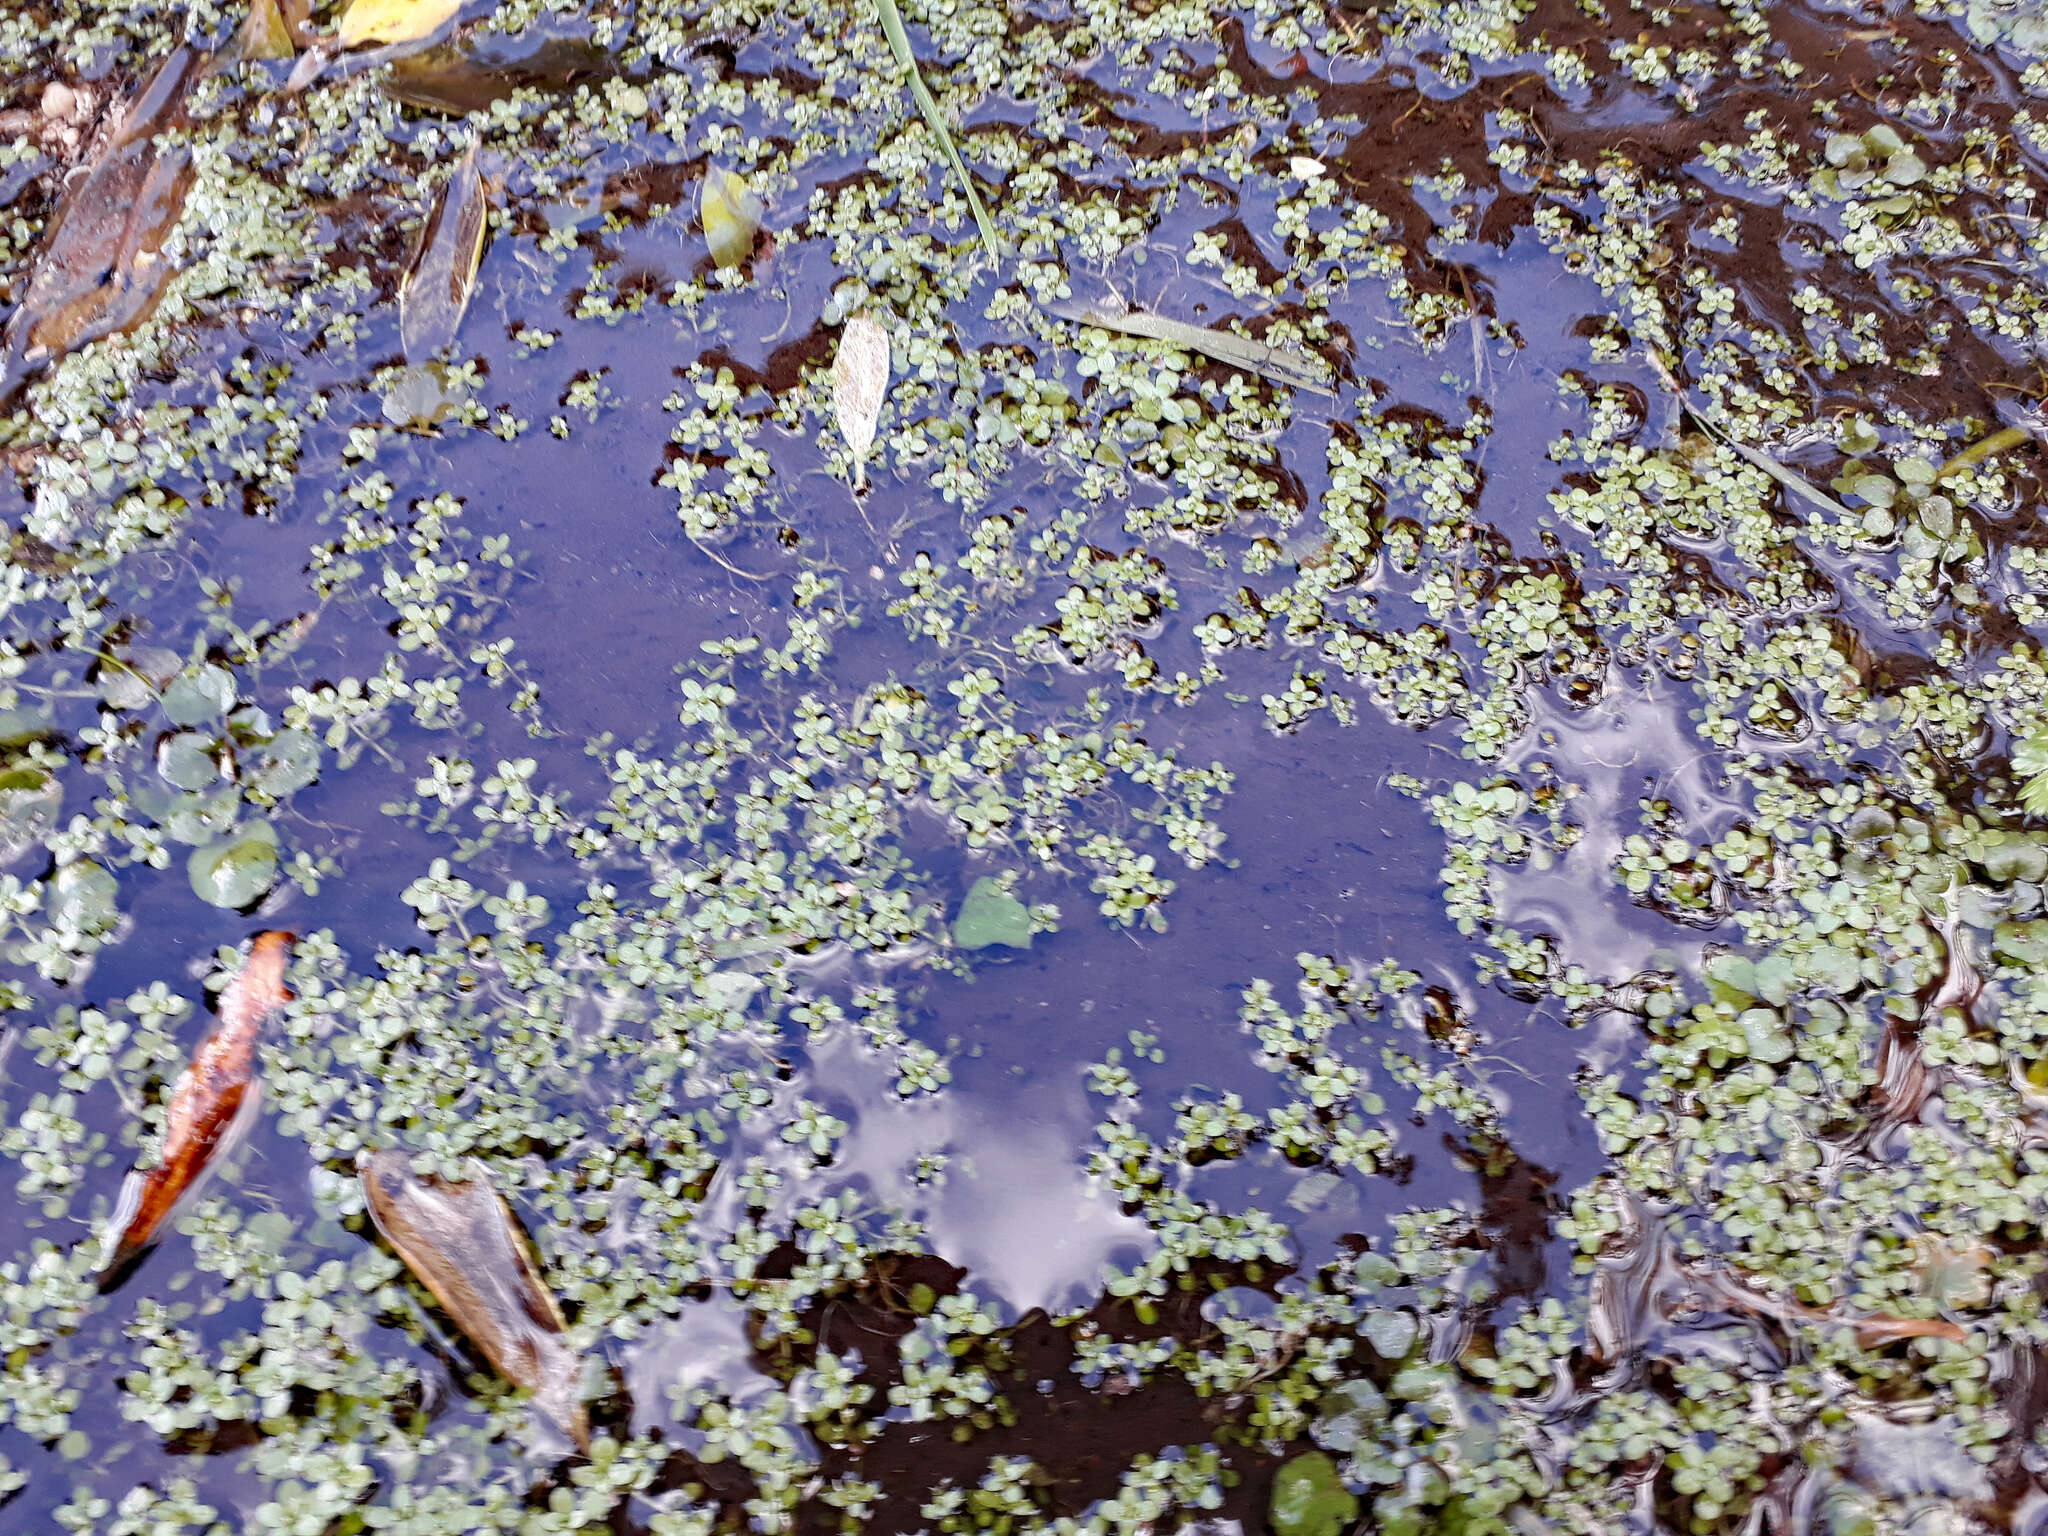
{"points": [[423, 396], [1790, 479], [461, 78], [731, 215], [860, 382], [1269, 362], [1641, 1280], [462, 1242], [212, 1105], [435, 292], [101, 269], [394, 21]]}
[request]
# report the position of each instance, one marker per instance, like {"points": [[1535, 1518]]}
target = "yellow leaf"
{"points": [[394, 21], [265, 34], [731, 214]]}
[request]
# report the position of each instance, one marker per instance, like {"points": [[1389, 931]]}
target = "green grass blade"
{"points": [[899, 44]]}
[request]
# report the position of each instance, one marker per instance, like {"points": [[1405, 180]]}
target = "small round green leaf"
{"points": [[187, 760], [1310, 1499], [235, 872], [199, 694]]}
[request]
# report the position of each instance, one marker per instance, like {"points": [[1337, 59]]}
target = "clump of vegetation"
{"points": [[1686, 611]]}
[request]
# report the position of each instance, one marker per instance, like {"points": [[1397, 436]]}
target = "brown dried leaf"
{"points": [[459, 79], [461, 1240], [860, 383], [101, 269]]}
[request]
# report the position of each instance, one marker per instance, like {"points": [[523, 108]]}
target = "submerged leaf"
{"points": [[1310, 1499], [188, 760], [860, 382], [82, 898], [199, 694], [394, 21], [991, 915], [731, 215], [211, 1106], [101, 268], [435, 293], [289, 761], [29, 802], [459, 1237], [235, 872], [473, 76], [1290, 368]]}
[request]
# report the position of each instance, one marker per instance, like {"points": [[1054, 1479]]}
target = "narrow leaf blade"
{"points": [[899, 44], [1261, 358]]}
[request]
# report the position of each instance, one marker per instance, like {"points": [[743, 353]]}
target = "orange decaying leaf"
{"points": [[211, 1104]]}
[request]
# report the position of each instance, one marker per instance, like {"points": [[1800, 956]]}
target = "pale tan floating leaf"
{"points": [[731, 215], [461, 1240], [101, 269], [394, 21], [266, 34], [1269, 362], [435, 293], [860, 382]]}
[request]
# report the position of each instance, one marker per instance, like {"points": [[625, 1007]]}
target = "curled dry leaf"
{"points": [[394, 21], [212, 1105], [459, 1237], [731, 215], [860, 382], [435, 292], [101, 269]]}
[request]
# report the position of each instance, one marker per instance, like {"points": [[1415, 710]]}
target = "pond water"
{"points": [[1459, 954]]}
